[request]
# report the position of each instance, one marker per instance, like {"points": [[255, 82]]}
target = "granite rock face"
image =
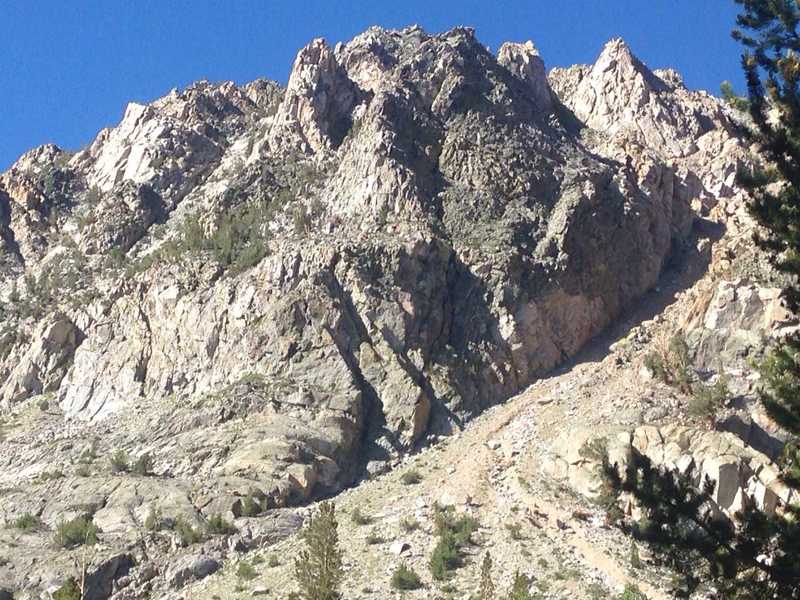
{"points": [[738, 472], [636, 109], [269, 289]]}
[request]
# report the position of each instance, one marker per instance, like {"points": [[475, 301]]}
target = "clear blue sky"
{"points": [[68, 67]]}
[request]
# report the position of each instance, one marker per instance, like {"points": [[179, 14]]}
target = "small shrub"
{"points": [[632, 592], [461, 527], [43, 404], [451, 590], [246, 571], [359, 518], [514, 530], [636, 562], [654, 364], [51, 475], [115, 258], [373, 539], [669, 361], [487, 588], [273, 561], [302, 220], [445, 556], [93, 196], [119, 462], [69, 591], [89, 454], [27, 522], [565, 573], [251, 506], [520, 588], [318, 567], [82, 471], [740, 103], [187, 534], [454, 532], [607, 497], [408, 524], [596, 591], [236, 240], [404, 578], [143, 465], [412, 477], [77, 532], [217, 525], [708, 399], [154, 521], [253, 380]]}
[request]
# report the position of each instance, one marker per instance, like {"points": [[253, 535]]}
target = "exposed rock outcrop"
{"points": [[316, 105], [42, 367], [620, 94], [737, 471], [275, 292], [523, 60]]}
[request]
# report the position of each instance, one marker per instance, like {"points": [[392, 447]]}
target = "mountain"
{"points": [[262, 296]]}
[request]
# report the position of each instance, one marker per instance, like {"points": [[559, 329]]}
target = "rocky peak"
{"points": [[620, 95], [221, 106], [523, 61], [315, 112], [617, 52], [36, 159], [24, 180], [451, 73], [617, 84], [671, 77], [617, 66], [265, 94]]}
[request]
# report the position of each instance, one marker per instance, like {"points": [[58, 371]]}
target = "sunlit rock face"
{"points": [[285, 289]]}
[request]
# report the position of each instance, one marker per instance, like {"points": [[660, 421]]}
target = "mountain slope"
{"points": [[275, 293]]}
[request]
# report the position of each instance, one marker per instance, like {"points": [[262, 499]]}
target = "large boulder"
{"points": [[190, 568]]}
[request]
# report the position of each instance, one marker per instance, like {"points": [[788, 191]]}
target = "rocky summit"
{"points": [[242, 299]]}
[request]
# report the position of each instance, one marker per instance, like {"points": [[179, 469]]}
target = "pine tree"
{"points": [[758, 555], [775, 109], [636, 562], [487, 590], [68, 591], [739, 103], [14, 296], [318, 568], [520, 588], [769, 32]]}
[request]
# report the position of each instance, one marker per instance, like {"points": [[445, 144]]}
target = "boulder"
{"points": [[101, 580], [399, 547], [190, 568]]}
